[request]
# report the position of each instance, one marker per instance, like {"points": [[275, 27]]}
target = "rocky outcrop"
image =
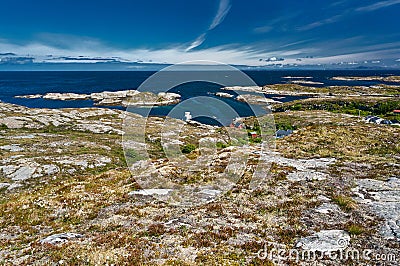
{"points": [[371, 78], [224, 95], [110, 98], [307, 82], [382, 198], [65, 96], [325, 241], [269, 90], [255, 99], [30, 96], [303, 169], [60, 238], [17, 117]]}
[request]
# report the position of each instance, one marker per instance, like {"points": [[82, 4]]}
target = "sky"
{"points": [[137, 34]]}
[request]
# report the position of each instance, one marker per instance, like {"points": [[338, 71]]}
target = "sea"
{"points": [[13, 83]]}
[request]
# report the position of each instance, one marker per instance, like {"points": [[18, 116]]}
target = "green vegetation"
{"points": [[351, 105], [344, 202], [188, 148], [221, 145], [133, 156], [355, 229], [285, 126], [383, 90]]}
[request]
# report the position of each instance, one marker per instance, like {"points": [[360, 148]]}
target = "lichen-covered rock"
{"points": [[65, 96], [60, 238], [12, 148], [325, 241], [4, 185], [382, 198]]}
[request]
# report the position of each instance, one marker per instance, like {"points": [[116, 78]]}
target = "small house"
{"points": [[237, 124], [375, 120], [253, 134], [188, 116], [386, 122], [283, 133], [396, 112]]}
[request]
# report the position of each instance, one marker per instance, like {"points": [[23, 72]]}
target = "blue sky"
{"points": [[255, 33]]}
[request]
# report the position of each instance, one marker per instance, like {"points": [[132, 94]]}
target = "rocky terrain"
{"points": [[110, 98], [255, 99], [372, 78], [329, 91], [68, 197]]}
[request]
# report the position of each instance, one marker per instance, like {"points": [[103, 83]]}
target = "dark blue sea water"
{"points": [[24, 82]]}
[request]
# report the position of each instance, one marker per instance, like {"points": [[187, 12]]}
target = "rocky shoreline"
{"points": [[371, 78], [110, 98], [293, 89]]}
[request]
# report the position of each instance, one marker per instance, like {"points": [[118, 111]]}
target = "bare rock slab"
{"points": [[60, 238], [383, 199], [325, 241]]}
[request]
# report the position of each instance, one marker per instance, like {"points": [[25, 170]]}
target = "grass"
{"points": [[337, 90], [356, 229], [127, 231], [221, 145], [133, 156], [346, 203], [188, 148], [382, 106]]}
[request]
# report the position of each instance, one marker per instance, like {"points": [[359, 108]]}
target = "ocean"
{"points": [[41, 82]]}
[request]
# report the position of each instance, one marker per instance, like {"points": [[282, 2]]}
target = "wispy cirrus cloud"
{"points": [[263, 29], [199, 40], [277, 24], [348, 12], [223, 10], [319, 23], [378, 5]]}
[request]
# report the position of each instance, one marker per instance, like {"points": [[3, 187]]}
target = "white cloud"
{"points": [[378, 5], [321, 22], [349, 57], [92, 50], [223, 10], [348, 12], [96, 49], [263, 29], [196, 42], [224, 7]]}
